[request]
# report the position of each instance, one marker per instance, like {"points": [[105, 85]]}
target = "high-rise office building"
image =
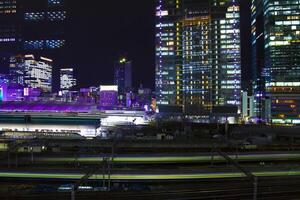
{"points": [[276, 59], [123, 76], [33, 27], [168, 80], [198, 56], [67, 79], [30, 26], [17, 70], [43, 23], [30, 72], [8, 30]]}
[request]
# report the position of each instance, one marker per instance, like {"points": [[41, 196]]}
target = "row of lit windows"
{"points": [[43, 44], [51, 16], [8, 11], [55, 2], [7, 39]]}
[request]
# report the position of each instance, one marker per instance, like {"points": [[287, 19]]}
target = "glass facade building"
{"points": [[27, 71], [278, 24], [198, 56], [168, 52], [31, 26]]}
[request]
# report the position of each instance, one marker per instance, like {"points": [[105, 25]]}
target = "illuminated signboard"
{"points": [[162, 13], [1, 94], [108, 88]]}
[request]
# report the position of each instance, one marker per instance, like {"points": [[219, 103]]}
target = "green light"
{"points": [[217, 175], [123, 60], [178, 159]]}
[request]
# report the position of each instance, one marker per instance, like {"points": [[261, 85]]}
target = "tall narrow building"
{"points": [[123, 76], [277, 23], [198, 57], [168, 79]]}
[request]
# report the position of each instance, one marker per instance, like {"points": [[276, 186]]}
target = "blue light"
{"points": [[55, 2]]}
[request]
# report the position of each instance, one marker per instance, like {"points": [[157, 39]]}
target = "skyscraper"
{"points": [[67, 79], [30, 72], [168, 80], [123, 76], [43, 23], [276, 33], [30, 26], [198, 56]]}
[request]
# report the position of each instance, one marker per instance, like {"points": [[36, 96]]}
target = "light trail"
{"points": [[177, 159], [220, 175]]}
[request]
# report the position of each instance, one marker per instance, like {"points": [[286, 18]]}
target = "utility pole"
{"points": [[31, 148], [253, 178], [255, 185], [91, 173], [73, 193], [8, 158]]}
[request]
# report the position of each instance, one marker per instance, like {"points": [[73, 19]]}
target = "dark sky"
{"points": [[101, 32]]}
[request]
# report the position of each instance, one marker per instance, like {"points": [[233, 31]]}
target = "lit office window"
{"points": [[37, 16]]}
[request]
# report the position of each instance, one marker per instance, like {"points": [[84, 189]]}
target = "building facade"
{"points": [[67, 79], [277, 23], [108, 96], [198, 64], [27, 71], [32, 27], [123, 76]]}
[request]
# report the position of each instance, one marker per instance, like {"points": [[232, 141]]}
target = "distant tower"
{"points": [[67, 79], [123, 75]]}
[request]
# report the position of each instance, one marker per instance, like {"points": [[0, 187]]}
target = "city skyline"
{"points": [[137, 24]]}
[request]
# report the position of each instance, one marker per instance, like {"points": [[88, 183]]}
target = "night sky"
{"points": [[99, 32], [102, 32]]}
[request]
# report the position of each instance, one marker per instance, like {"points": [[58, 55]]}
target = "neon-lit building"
{"points": [[3, 87], [67, 79], [30, 72], [108, 96], [276, 33], [198, 62]]}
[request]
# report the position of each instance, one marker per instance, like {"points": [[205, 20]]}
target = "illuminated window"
{"points": [[55, 2]]}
